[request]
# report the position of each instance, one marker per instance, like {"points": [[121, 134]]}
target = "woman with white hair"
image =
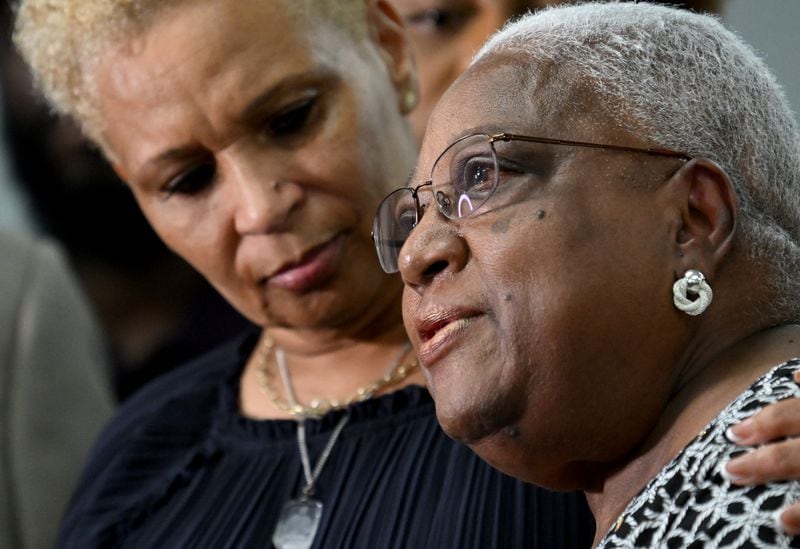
{"points": [[601, 252]]}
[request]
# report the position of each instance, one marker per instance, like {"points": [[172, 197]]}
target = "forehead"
{"points": [[221, 53], [510, 93]]}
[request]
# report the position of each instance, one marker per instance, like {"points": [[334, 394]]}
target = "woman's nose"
{"points": [[263, 203], [432, 250]]}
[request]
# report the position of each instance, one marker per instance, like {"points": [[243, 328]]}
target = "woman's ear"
{"points": [[386, 29], [709, 213]]}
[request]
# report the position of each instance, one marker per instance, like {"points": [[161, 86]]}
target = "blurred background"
{"points": [[156, 312], [770, 26]]}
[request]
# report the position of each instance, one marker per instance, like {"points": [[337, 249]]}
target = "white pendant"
{"points": [[297, 524]]}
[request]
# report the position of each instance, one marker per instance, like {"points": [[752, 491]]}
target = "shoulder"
{"points": [[29, 258], [43, 302], [28, 262], [55, 394], [150, 440], [178, 401], [690, 499]]}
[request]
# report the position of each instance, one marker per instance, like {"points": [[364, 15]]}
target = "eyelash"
{"points": [[440, 20], [292, 120], [192, 181], [289, 122]]}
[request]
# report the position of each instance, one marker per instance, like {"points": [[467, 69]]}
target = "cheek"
{"points": [[191, 230], [411, 301]]}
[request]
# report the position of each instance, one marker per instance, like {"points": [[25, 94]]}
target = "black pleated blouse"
{"points": [[179, 467]]}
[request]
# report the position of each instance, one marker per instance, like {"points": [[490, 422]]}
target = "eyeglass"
{"points": [[463, 179]]}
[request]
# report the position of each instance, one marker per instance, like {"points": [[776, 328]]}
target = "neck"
{"points": [[325, 365], [698, 400]]}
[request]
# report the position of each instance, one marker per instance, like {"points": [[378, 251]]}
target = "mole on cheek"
{"points": [[540, 214], [508, 297]]}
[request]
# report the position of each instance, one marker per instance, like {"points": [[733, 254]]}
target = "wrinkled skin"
{"points": [[259, 154]]}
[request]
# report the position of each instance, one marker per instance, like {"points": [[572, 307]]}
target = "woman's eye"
{"points": [[192, 181], [439, 20], [291, 120], [478, 174], [406, 219]]}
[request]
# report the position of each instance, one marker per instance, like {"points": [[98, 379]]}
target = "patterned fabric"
{"points": [[690, 504]]}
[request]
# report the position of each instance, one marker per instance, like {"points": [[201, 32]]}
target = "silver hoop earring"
{"points": [[692, 294]]}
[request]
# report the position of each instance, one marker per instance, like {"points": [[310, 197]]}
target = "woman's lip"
{"points": [[312, 270], [442, 341]]}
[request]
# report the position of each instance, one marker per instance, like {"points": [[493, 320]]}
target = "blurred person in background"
{"points": [[445, 34], [54, 390]]}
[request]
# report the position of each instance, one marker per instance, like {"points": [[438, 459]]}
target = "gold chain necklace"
{"points": [[318, 407]]}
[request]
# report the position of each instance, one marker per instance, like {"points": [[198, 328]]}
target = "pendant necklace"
{"points": [[299, 519]]}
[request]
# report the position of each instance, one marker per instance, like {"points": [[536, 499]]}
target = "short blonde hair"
{"points": [[61, 41]]}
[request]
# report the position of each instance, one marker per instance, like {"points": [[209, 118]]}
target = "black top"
{"points": [[180, 467]]}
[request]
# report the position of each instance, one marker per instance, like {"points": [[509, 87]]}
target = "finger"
{"points": [[777, 461], [788, 519], [776, 421]]}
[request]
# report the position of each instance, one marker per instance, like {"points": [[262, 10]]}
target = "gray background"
{"points": [[771, 26]]}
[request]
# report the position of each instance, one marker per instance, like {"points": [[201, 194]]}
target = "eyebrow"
{"points": [[324, 75], [178, 154], [255, 105]]}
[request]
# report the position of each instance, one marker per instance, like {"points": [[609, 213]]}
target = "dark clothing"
{"points": [[180, 467]]}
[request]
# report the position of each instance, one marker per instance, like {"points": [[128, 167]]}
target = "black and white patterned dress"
{"points": [[690, 504]]}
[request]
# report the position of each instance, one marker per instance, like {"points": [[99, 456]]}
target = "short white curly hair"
{"points": [[683, 81]]}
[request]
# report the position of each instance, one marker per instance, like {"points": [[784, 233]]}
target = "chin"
{"points": [[522, 460], [472, 420], [464, 428]]}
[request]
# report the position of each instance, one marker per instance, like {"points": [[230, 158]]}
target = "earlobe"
{"points": [[387, 31], [709, 213]]}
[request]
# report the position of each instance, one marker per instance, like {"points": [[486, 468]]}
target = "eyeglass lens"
{"points": [[396, 217], [463, 178]]}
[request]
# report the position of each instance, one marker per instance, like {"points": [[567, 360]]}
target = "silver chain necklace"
{"points": [[299, 519]]}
